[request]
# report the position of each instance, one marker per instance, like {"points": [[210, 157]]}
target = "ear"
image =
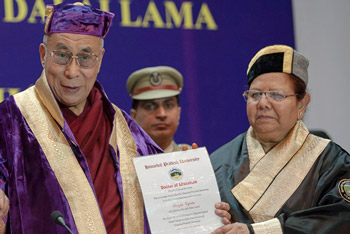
{"points": [[42, 52], [302, 105], [304, 102], [133, 113], [100, 60]]}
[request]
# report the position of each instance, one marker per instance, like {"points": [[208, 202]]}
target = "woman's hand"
{"points": [[221, 210], [234, 228]]}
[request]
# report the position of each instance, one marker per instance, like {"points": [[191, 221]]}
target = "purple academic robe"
{"points": [[30, 183]]}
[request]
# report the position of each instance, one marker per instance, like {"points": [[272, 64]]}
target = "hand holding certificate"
{"points": [[179, 190]]}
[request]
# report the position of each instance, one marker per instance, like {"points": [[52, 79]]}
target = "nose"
{"points": [[161, 113], [72, 69], [264, 102]]}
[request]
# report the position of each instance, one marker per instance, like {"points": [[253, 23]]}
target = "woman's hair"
{"points": [[299, 87]]}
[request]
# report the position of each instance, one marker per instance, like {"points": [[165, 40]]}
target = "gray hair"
{"points": [[46, 37]]}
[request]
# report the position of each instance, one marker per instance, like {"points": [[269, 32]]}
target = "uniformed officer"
{"points": [[155, 107]]}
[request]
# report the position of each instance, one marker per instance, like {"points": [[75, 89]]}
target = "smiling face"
{"points": [[159, 118], [70, 83], [272, 120]]}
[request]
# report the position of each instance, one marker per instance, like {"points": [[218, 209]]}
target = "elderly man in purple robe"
{"points": [[63, 145]]}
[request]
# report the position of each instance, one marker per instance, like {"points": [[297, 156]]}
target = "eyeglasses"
{"points": [[256, 95], [64, 57]]}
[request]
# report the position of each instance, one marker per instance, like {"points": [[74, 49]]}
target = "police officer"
{"points": [[155, 107]]}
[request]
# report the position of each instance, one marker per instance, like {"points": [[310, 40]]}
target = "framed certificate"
{"points": [[179, 191]]}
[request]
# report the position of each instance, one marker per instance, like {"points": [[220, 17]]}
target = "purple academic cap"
{"points": [[77, 18]]}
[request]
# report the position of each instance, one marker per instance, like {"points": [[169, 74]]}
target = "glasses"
{"points": [[256, 95], [64, 57]]}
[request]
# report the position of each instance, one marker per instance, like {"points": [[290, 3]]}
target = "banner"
{"points": [[209, 41]]}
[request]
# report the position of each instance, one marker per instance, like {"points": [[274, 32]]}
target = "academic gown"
{"points": [[30, 183], [317, 205]]}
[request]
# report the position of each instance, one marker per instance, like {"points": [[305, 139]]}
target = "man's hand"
{"points": [[4, 204], [194, 146], [4, 209], [234, 228]]}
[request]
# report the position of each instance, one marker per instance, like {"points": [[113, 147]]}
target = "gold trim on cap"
{"points": [[78, 4], [287, 57], [48, 14]]}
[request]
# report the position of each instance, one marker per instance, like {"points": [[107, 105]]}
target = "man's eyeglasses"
{"points": [[64, 57], [256, 95]]}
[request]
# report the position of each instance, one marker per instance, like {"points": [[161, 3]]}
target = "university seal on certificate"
{"points": [[179, 190]]}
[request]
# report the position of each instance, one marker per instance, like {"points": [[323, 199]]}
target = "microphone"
{"points": [[57, 217]]}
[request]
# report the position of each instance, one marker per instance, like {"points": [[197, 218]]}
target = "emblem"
{"points": [[344, 189], [155, 79], [175, 174]]}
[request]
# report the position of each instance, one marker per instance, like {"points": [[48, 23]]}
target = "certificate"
{"points": [[179, 191]]}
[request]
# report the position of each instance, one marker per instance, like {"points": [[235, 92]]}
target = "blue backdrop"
{"points": [[209, 41]]}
